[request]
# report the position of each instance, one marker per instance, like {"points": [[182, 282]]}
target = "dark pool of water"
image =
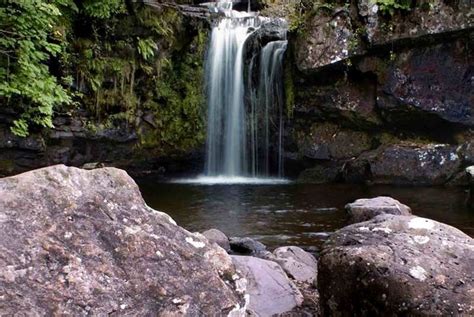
{"points": [[292, 214]]}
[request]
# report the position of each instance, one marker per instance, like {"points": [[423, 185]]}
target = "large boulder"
{"points": [[394, 265], [366, 209], [77, 242], [270, 290]]}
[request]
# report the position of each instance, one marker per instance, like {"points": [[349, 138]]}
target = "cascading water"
{"points": [[233, 148], [225, 95], [267, 102]]}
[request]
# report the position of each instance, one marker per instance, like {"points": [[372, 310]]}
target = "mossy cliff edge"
{"points": [[136, 77]]}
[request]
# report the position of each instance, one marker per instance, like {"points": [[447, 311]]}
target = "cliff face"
{"points": [[382, 94]]}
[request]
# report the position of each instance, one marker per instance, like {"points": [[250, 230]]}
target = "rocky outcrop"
{"points": [[397, 265], [270, 290], [84, 242], [374, 84], [366, 209]]}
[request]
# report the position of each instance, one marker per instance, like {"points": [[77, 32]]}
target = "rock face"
{"points": [[80, 242], [397, 265], [431, 164], [270, 290], [297, 263], [366, 209], [218, 237], [378, 84]]}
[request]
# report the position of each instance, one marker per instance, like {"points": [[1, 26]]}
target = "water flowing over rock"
{"points": [[395, 265], [366, 209], [233, 147], [77, 242]]}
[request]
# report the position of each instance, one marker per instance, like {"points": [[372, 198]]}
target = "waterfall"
{"points": [[233, 147], [267, 102]]}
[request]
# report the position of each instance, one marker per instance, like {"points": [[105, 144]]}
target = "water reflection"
{"points": [[294, 214]]}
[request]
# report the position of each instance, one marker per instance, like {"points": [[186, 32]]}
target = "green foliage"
{"points": [[391, 6], [103, 9], [147, 48], [29, 38]]}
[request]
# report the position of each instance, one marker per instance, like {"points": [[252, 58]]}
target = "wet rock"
{"points": [[218, 237], [328, 141], [270, 290], [430, 164], [366, 209], [395, 265], [246, 246], [85, 243], [350, 101], [297, 263], [320, 174]]}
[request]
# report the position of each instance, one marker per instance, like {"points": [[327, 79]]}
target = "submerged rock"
{"points": [[366, 209], [218, 237], [246, 246], [270, 290], [77, 242], [297, 263], [397, 265]]}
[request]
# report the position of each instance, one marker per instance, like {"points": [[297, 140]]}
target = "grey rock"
{"points": [[366, 209], [395, 265], [406, 163], [218, 237], [85, 243], [246, 246], [270, 290], [297, 263]]}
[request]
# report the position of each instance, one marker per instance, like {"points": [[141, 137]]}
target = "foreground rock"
{"points": [[397, 265], [366, 209], [270, 290], [297, 263], [76, 242]]}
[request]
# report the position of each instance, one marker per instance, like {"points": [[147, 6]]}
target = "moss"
{"points": [[150, 61]]}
